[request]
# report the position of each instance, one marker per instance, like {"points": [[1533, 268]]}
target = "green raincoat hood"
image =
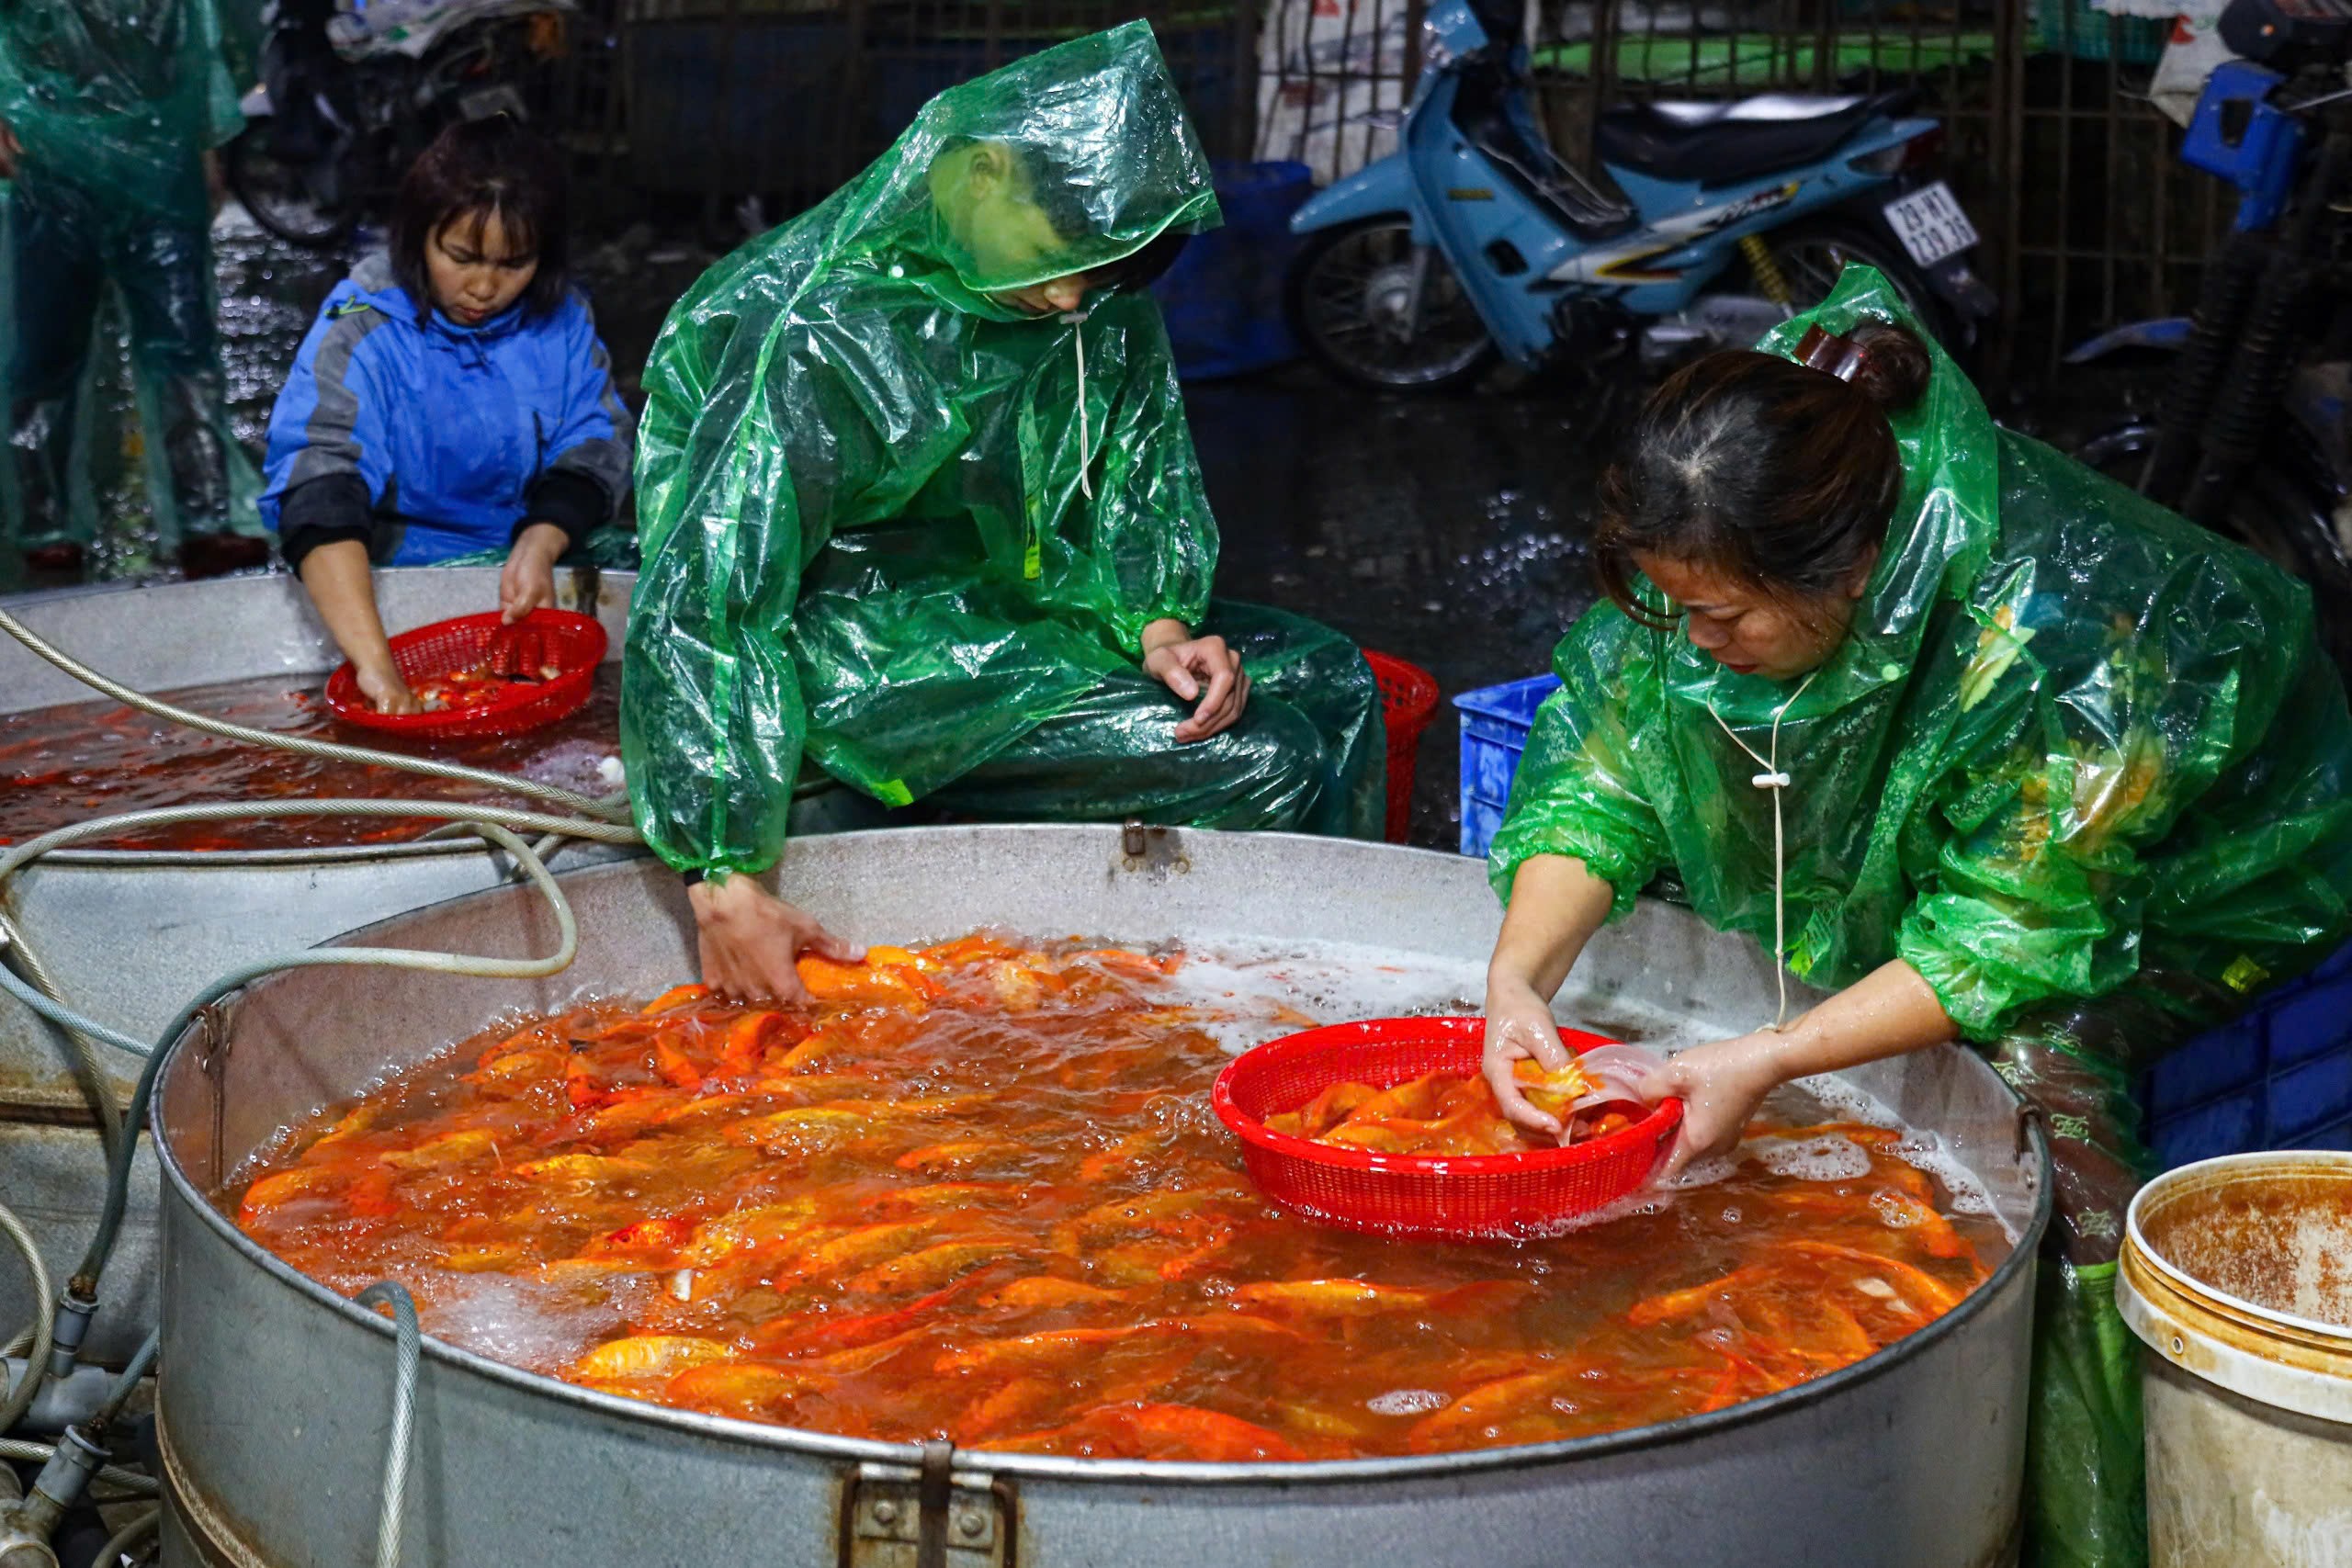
{"points": [[119, 95], [887, 518], [2044, 757]]}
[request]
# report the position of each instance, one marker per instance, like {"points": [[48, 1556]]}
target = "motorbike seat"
{"points": [[1481, 113], [1723, 143]]}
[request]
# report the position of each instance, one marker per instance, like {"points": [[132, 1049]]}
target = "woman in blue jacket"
{"points": [[452, 397]]}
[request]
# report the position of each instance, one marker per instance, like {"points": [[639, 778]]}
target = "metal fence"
{"points": [[2088, 216]]}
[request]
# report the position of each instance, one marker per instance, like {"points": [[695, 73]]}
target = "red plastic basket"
{"points": [[1467, 1197], [1407, 702], [574, 644]]}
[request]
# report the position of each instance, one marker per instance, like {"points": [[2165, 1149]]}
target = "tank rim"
{"points": [[1059, 1468]]}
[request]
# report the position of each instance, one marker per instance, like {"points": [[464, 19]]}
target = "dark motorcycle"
{"points": [[2253, 437], [348, 100]]}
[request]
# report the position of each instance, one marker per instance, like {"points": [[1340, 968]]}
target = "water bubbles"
{"points": [[1732, 1215], [1406, 1401], [1830, 1158]]}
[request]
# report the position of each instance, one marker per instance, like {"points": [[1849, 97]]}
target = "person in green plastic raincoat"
{"points": [[1992, 748], [108, 111], [916, 498]]}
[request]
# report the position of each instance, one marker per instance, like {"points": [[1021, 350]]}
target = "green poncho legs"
{"points": [[917, 533], [115, 103]]}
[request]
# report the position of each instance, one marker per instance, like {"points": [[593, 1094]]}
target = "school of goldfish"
{"points": [[975, 1191], [1449, 1113]]}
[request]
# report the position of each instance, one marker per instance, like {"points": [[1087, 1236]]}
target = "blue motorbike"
{"points": [[1710, 223], [2253, 430]]}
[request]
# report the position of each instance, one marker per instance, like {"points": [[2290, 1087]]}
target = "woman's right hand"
{"points": [[1519, 1029], [382, 685], [751, 940]]}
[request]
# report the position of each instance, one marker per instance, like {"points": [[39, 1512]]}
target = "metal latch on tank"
{"points": [[1156, 850], [933, 1516]]}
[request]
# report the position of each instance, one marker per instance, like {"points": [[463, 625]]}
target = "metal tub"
{"points": [[275, 1392], [129, 936]]}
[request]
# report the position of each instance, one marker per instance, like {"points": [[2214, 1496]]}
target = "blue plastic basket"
{"points": [[1495, 722], [2279, 1078]]}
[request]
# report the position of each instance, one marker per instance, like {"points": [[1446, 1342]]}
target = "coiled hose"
{"points": [[20, 1398]]}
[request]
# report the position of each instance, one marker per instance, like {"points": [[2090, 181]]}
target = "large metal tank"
{"points": [[130, 935], [275, 1392]]}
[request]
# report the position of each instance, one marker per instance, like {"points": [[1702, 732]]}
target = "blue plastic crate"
{"points": [[1495, 722], [2279, 1078]]}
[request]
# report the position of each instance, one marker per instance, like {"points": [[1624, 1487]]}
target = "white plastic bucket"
{"points": [[2237, 1278]]}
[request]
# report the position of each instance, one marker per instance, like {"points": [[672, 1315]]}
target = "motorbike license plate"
{"points": [[1931, 224]]}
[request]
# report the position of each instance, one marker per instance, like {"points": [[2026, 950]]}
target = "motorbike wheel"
{"points": [[283, 196], [1348, 295], [1811, 255], [2278, 517]]}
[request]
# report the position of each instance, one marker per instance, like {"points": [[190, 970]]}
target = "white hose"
{"points": [[407, 1350], [20, 1398]]}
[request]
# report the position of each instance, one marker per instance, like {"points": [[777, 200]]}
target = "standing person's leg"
{"points": [[54, 258], [163, 270], [1112, 755]]}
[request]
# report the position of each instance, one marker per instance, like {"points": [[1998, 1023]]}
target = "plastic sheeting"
{"points": [[2081, 764], [890, 517], [115, 103]]}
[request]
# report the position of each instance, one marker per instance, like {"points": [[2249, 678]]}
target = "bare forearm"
{"points": [[1885, 1013], [1556, 906], [337, 576]]}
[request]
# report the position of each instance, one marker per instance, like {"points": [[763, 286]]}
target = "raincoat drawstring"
{"points": [[1077, 319], [1773, 779]]}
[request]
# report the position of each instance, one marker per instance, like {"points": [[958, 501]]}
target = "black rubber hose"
{"points": [[2248, 402], [2231, 282]]}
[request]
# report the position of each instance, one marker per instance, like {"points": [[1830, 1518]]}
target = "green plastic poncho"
{"points": [[919, 532], [114, 102], [2081, 764]]}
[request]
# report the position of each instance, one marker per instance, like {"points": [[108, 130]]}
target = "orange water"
{"points": [[65, 764], [984, 1199]]}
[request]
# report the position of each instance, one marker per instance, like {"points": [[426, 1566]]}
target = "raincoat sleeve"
{"points": [[329, 456], [2082, 741], [1578, 791], [586, 464], [712, 715], [1154, 533]]}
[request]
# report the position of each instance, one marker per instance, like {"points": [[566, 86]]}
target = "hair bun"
{"points": [[1894, 364]]}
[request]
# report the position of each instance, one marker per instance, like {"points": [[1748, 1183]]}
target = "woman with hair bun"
{"points": [[1988, 747]]}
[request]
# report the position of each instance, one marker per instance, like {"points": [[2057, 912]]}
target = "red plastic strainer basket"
{"points": [[573, 645], [1407, 702], [1465, 1197]]}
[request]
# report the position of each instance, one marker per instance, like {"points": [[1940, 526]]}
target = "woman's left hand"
{"points": [[1201, 669], [1720, 1085], [528, 581]]}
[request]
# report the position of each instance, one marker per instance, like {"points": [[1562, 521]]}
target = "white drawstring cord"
{"points": [[1077, 319], [1773, 779]]}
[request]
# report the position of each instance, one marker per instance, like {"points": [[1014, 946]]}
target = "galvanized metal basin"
{"points": [[275, 1392], [129, 936]]}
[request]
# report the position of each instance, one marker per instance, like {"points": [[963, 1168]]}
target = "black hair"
{"points": [[1780, 475], [476, 170]]}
